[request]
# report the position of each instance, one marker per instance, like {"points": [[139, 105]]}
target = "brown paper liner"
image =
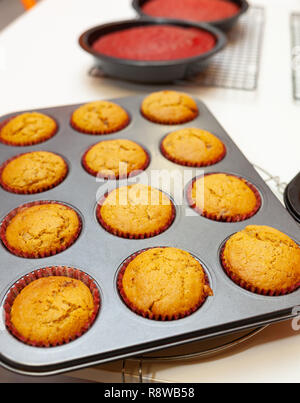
{"points": [[24, 191], [28, 143], [120, 127], [116, 177], [127, 235], [147, 315], [215, 217], [37, 255], [46, 272], [169, 122], [250, 287], [192, 164]]}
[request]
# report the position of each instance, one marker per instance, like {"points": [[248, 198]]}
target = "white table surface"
{"points": [[42, 65]]}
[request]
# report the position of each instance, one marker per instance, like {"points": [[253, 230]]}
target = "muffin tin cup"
{"points": [[191, 164], [36, 255], [46, 272], [111, 177], [122, 234], [27, 192], [250, 287], [215, 217], [147, 315], [169, 122], [28, 143]]}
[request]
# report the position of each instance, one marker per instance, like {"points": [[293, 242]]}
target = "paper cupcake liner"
{"points": [[147, 315], [192, 164], [120, 127], [169, 122], [37, 255], [27, 143], [128, 235], [250, 287], [41, 189], [216, 217], [116, 177], [46, 272]]}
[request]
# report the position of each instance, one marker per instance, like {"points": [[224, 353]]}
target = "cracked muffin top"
{"points": [[264, 258], [193, 147], [40, 230], [52, 310], [164, 283], [27, 129], [99, 117], [169, 107], [115, 158], [224, 197], [33, 172], [136, 211]]}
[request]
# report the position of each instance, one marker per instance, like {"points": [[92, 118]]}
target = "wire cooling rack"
{"points": [[235, 67], [295, 38]]}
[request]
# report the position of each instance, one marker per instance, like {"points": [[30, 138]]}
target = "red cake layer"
{"points": [[194, 10], [155, 42]]}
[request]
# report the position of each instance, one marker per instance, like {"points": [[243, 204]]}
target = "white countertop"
{"points": [[41, 65]]}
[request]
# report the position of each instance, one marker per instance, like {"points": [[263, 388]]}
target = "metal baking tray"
{"points": [[224, 24], [119, 333], [149, 71]]}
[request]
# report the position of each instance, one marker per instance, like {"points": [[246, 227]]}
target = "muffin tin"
{"points": [[117, 331]]}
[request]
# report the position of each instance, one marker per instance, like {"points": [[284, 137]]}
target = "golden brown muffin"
{"points": [[52, 310], [163, 283], [224, 197], [99, 117], [40, 229], [263, 260], [136, 211], [193, 147], [27, 129], [169, 107], [115, 158], [33, 172]]}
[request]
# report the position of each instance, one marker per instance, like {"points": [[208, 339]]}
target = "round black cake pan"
{"points": [[149, 71], [224, 24]]}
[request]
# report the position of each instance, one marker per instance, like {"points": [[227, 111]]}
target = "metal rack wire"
{"points": [[295, 43], [237, 66]]}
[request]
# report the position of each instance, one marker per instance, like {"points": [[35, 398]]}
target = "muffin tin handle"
{"points": [[292, 198]]}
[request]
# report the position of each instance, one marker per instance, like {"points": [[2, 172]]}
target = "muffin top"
{"points": [[28, 128], [33, 172], [263, 257], [136, 211], [115, 158], [169, 107], [41, 230], [164, 282], [224, 197], [193, 147], [99, 117], [52, 310]]}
